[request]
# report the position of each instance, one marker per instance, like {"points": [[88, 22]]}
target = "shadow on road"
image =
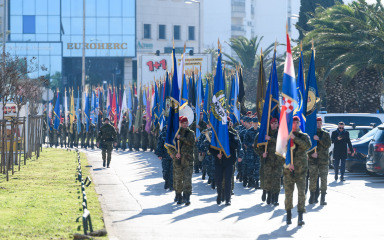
{"points": [[198, 212], [252, 211], [281, 232]]}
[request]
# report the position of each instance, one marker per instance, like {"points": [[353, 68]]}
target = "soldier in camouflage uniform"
{"points": [[50, 134], [105, 139], [251, 161], [63, 133], [144, 135], [183, 162], [166, 160], [91, 134], [124, 133], [131, 138], [137, 139], [83, 134], [271, 168], [296, 172], [318, 163]]}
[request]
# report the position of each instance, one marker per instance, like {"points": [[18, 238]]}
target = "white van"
{"points": [[359, 119]]}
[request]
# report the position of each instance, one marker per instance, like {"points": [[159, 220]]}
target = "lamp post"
{"points": [[196, 1]]}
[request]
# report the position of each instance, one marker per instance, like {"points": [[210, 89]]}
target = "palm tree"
{"points": [[349, 41], [248, 52]]}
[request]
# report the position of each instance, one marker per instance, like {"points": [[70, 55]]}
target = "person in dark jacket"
{"points": [[340, 139], [224, 166]]}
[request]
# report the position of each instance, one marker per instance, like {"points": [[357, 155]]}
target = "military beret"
{"points": [[144, 117], [273, 120], [296, 118], [319, 119], [249, 113], [255, 119], [183, 119]]}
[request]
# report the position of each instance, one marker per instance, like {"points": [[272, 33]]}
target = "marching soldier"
{"points": [[183, 162], [91, 134], [166, 160], [297, 171], [272, 169], [242, 130], [131, 138], [318, 163], [208, 163], [144, 135], [63, 133], [124, 133], [105, 139], [251, 162]]}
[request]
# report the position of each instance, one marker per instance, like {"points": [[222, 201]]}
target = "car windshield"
{"points": [[369, 134], [357, 120], [356, 133]]}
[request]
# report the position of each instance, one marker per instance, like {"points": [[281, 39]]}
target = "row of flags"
{"points": [[161, 102]]}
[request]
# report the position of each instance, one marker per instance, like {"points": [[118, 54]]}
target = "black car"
{"points": [[360, 147], [375, 159]]}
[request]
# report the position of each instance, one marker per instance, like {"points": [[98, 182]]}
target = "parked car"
{"points": [[355, 132], [375, 159], [357, 163], [360, 119]]}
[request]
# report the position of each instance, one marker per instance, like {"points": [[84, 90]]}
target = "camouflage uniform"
{"points": [[131, 139], [251, 161], [63, 134], [51, 137], [239, 165], [106, 138], [137, 139], [124, 134], [319, 166], [91, 135], [144, 137], [83, 134], [300, 162], [166, 161], [183, 167]]}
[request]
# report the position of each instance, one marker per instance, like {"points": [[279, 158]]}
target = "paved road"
{"points": [[136, 206]]}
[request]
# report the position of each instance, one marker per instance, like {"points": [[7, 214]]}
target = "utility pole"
{"points": [[83, 59], [289, 15]]}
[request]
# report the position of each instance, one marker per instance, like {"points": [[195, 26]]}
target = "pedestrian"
{"points": [[105, 139], [297, 171], [224, 165], [183, 162], [318, 163], [340, 139]]}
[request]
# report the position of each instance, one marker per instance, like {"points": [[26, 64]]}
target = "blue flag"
{"points": [[300, 86], [312, 98], [86, 111], [199, 99], [271, 104], [130, 107], [56, 113], [206, 103], [234, 103], [218, 118], [144, 98], [155, 109], [78, 112], [184, 93], [93, 103], [173, 118]]}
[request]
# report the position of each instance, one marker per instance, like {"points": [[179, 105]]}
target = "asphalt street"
{"points": [[136, 206]]}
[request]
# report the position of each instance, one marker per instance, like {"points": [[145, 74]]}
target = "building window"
{"points": [[161, 31], [191, 33], [29, 25], [147, 31], [176, 32]]}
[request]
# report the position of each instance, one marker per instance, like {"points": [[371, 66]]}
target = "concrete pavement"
{"points": [[136, 206]]}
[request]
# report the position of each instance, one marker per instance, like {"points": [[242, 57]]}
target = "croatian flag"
{"points": [[289, 94]]}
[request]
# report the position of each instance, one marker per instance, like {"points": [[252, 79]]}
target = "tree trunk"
{"points": [[250, 86]]}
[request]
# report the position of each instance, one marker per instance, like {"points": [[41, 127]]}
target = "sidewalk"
{"points": [[136, 206]]}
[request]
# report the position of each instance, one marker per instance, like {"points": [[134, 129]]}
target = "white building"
{"points": [[158, 22]]}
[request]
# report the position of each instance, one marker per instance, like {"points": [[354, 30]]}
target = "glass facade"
{"points": [[52, 32]]}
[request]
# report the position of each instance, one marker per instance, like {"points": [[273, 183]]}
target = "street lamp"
{"points": [[196, 1]]}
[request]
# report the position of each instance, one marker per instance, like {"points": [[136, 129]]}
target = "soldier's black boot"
{"points": [[209, 180], [186, 199], [322, 200], [218, 198], [300, 222], [179, 198], [166, 185], [176, 197], [103, 163], [269, 195], [203, 175], [222, 196], [316, 198], [250, 183], [245, 182], [276, 200], [289, 217], [213, 184], [311, 198], [171, 187], [263, 197], [241, 178], [257, 186], [108, 162], [237, 176]]}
